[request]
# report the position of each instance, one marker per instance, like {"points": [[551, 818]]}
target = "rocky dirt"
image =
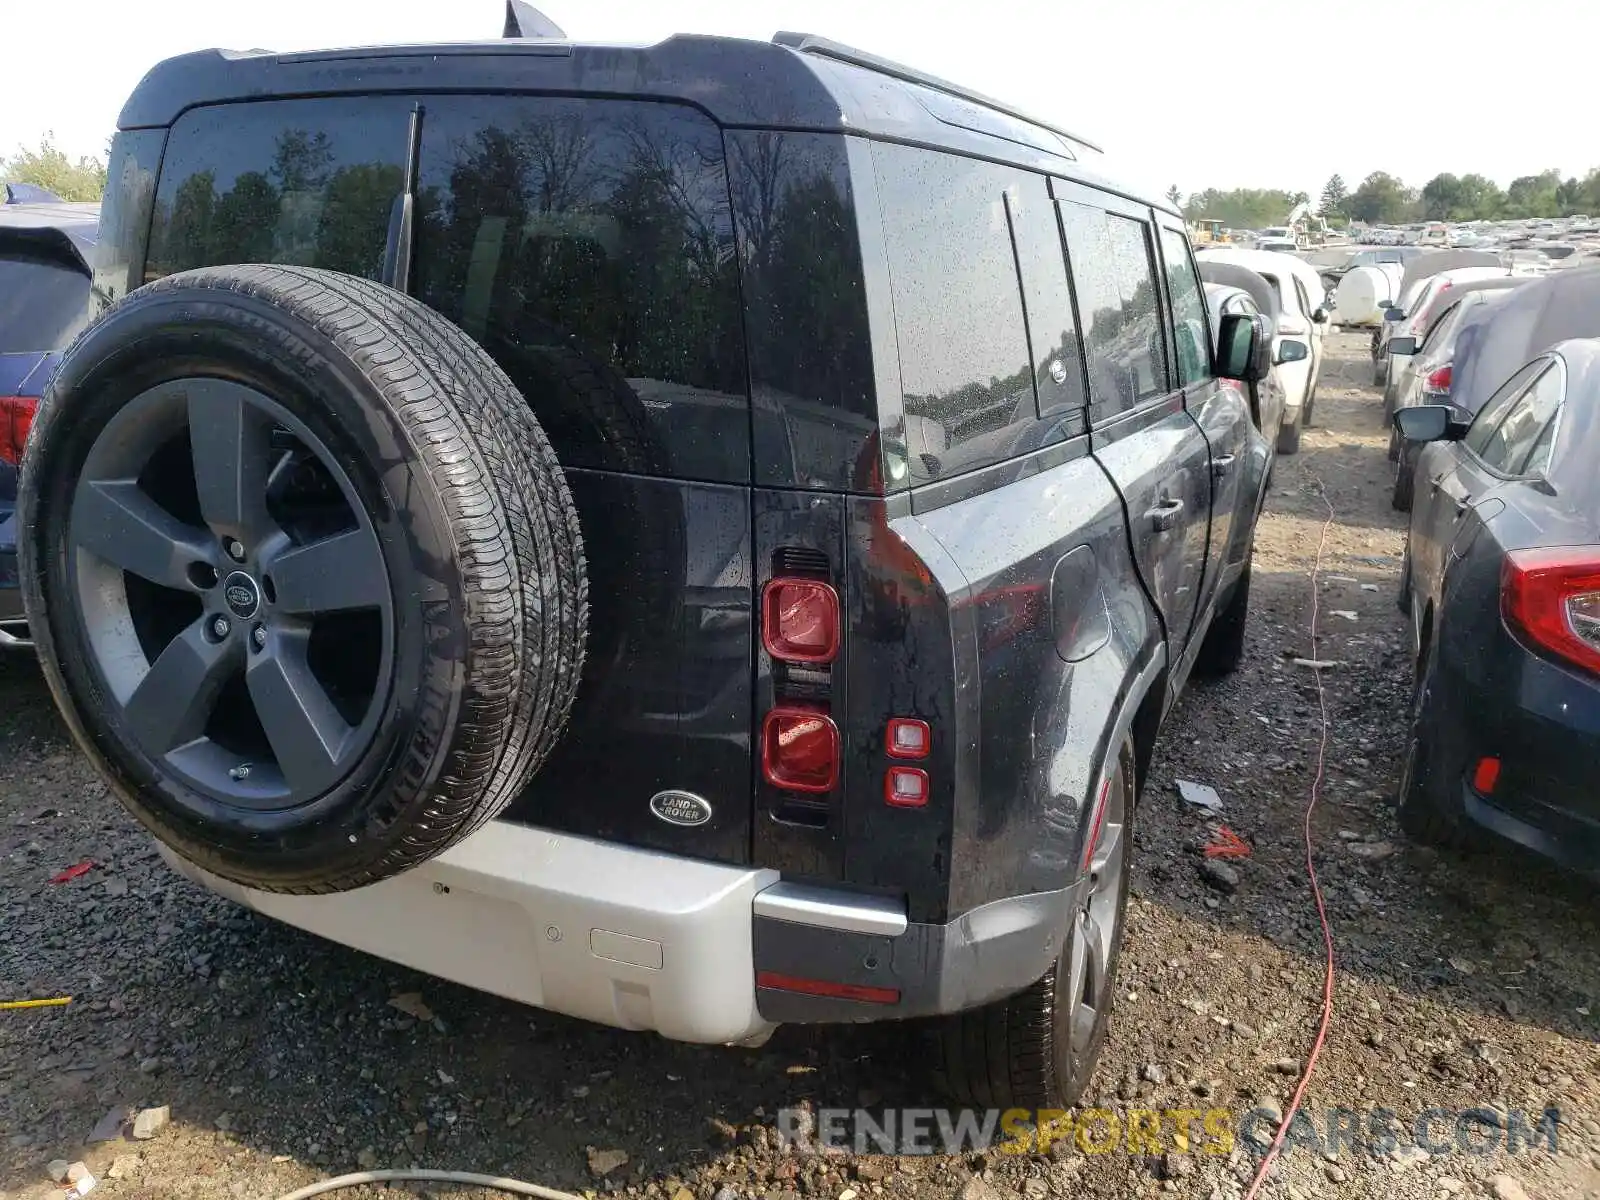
{"points": [[1461, 982]]}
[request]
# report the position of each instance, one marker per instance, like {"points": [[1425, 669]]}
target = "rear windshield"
{"points": [[586, 244], [42, 303]]}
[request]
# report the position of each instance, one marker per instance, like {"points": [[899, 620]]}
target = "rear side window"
{"points": [[1118, 301], [300, 182], [964, 370], [1190, 328], [1052, 329], [588, 246], [1510, 448], [42, 304], [1494, 411]]}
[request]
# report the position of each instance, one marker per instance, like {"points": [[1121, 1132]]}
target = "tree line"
{"points": [[1385, 199], [49, 168]]}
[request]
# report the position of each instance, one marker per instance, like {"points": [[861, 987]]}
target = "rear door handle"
{"points": [[1436, 481], [1221, 464], [1164, 516]]}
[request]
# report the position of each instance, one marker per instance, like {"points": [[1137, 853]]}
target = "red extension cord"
{"points": [[1311, 866]]}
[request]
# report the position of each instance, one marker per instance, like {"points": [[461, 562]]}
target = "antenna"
{"points": [[523, 20]]}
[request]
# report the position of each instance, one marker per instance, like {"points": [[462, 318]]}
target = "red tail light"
{"points": [[1438, 381], [800, 749], [16, 418], [800, 620], [1552, 597]]}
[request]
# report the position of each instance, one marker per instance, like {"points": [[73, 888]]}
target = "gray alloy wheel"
{"points": [[1083, 990], [233, 591]]}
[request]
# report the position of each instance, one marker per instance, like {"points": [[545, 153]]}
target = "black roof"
{"points": [[795, 82]]}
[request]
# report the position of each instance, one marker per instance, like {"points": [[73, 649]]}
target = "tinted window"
{"points": [[588, 246], [42, 304], [1491, 414], [815, 416], [1052, 329], [1117, 298], [285, 181], [1443, 330], [1513, 441], [965, 376], [1188, 310]]}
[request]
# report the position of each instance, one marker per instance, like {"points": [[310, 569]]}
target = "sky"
{"points": [[1196, 93]]}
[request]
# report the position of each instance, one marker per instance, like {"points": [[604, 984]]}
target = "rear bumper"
{"points": [[1542, 722], [639, 939]]}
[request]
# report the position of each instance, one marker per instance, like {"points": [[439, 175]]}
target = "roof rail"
{"points": [[809, 43]]}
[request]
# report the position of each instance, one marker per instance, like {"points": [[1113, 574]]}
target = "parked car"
{"points": [[1546, 310], [1418, 282], [1438, 294], [855, 727], [1302, 314], [1238, 290], [1428, 375], [1504, 595], [45, 278]]}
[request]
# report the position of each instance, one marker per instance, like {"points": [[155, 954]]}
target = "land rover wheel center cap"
{"points": [[242, 595]]}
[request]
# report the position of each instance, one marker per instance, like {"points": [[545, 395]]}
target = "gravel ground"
{"points": [[1460, 983]]}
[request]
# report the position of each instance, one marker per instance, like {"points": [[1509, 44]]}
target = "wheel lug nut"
{"points": [[220, 628], [235, 549], [259, 637]]}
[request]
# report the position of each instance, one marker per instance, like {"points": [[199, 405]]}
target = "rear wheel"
{"points": [[1427, 811], [305, 574], [1038, 1049]]}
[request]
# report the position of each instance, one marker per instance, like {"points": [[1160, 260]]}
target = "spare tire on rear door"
{"points": [[304, 573]]}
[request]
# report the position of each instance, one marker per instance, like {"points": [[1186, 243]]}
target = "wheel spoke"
{"points": [[305, 729], [1108, 850], [116, 521], [172, 703], [341, 572], [230, 441]]}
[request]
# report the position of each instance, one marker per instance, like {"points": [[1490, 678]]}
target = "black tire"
{"points": [[479, 565], [1223, 649], [1426, 810], [1394, 444], [1380, 369], [1308, 413], [1018, 1052], [1289, 436], [1403, 598], [1405, 482]]}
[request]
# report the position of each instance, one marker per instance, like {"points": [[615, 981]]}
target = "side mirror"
{"points": [[1240, 341], [1402, 345], [1385, 303], [1320, 316], [1430, 423], [1393, 314], [1291, 351]]}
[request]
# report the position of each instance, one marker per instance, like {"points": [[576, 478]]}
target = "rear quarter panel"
{"points": [[1059, 627]]}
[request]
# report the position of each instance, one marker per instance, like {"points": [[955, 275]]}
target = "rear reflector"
{"points": [[908, 738], [1437, 382], [16, 418], [1486, 776], [822, 987], [800, 750], [905, 787], [1551, 595], [800, 620], [1094, 827]]}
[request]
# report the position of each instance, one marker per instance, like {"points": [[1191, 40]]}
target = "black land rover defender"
{"points": [[695, 536]]}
